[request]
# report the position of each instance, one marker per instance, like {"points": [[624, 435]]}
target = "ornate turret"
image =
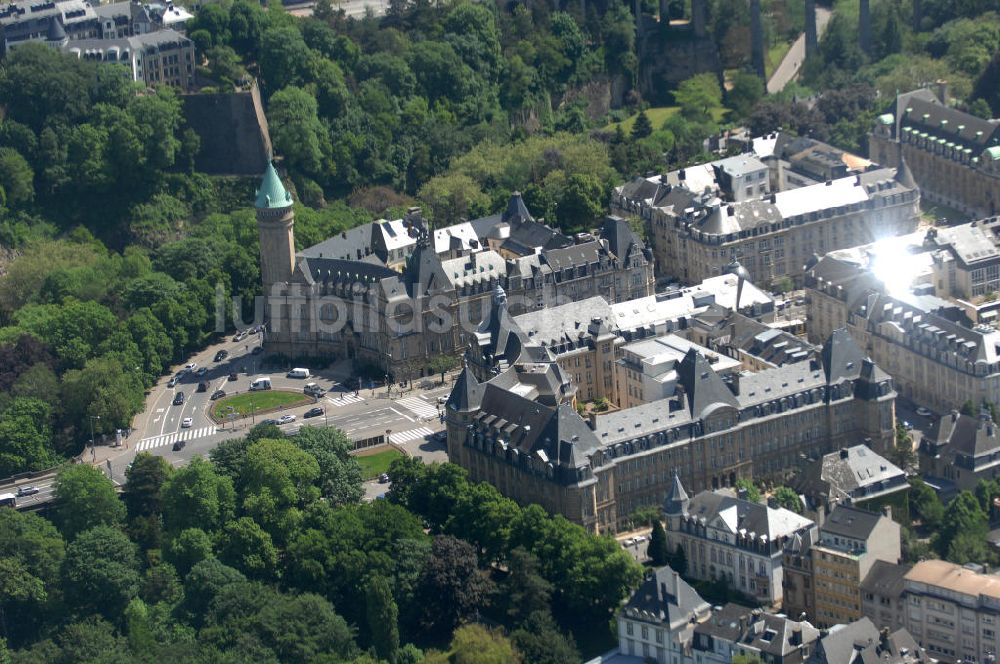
{"points": [[675, 505], [275, 222]]}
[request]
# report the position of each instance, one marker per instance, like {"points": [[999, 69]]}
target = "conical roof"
{"points": [[272, 193], [904, 175], [842, 357], [704, 388], [516, 212], [56, 33], [677, 499], [467, 393]]}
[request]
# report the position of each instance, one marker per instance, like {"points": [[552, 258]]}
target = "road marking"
{"points": [[419, 406], [170, 438], [160, 410], [402, 415], [412, 434], [344, 400]]}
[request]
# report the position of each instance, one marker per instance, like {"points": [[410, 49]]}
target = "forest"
{"points": [[265, 553]]}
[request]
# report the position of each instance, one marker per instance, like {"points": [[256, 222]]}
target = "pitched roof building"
{"points": [[658, 620], [854, 475], [962, 449], [738, 630]]}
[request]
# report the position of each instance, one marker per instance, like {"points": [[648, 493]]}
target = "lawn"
{"points": [[657, 116], [373, 465], [258, 402]]}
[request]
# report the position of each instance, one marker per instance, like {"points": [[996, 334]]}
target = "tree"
{"points": [[787, 498], [442, 364], [698, 96], [539, 641], [752, 492], [581, 202], [383, 618], [31, 554], [85, 498], [680, 563], [25, 435], [642, 126], [925, 503], [297, 131], [658, 551], [474, 644], [452, 586], [339, 472], [525, 590], [277, 479], [16, 178], [197, 497], [963, 523], [747, 89], [190, 547], [101, 572], [203, 584], [145, 479], [248, 547]]}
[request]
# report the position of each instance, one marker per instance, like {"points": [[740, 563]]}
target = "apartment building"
{"points": [[737, 630], [855, 475], [961, 449]]}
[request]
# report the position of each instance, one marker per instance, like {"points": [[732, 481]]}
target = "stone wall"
{"points": [[233, 132]]}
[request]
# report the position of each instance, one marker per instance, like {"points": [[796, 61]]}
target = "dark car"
{"points": [[233, 376], [221, 355], [179, 445], [179, 399], [203, 386], [269, 421], [218, 394], [313, 412], [257, 350], [27, 491]]}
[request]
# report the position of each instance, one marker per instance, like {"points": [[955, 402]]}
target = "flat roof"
{"points": [[942, 574]]}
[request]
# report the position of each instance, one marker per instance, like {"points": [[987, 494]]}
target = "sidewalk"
{"points": [[788, 70]]}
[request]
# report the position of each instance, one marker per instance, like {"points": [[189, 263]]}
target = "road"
{"points": [[788, 70], [352, 8]]}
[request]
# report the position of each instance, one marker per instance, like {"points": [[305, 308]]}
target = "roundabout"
{"points": [[256, 403]]}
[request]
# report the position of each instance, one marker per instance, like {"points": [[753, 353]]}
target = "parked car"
{"points": [[313, 412], [179, 445], [232, 375], [383, 478], [443, 398], [221, 355], [286, 419], [172, 381], [187, 422], [218, 394], [179, 399], [27, 491], [269, 421], [191, 366], [202, 371], [240, 336], [924, 412], [203, 386]]}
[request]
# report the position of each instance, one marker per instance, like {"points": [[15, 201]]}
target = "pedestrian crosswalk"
{"points": [[418, 406], [347, 398], [171, 438], [411, 434]]}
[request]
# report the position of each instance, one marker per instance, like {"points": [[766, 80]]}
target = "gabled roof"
{"points": [[842, 357], [703, 387], [272, 193], [852, 522], [424, 272], [667, 599], [620, 237], [967, 435]]}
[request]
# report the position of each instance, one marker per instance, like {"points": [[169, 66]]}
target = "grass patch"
{"points": [[373, 465], [935, 213], [258, 402], [657, 116]]}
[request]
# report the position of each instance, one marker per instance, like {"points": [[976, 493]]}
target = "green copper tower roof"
{"points": [[272, 194]]}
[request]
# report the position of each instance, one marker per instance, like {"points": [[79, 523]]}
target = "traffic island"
{"points": [[256, 403]]}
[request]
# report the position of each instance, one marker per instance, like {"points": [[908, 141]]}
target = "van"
{"points": [[261, 384], [299, 372], [313, 390]]}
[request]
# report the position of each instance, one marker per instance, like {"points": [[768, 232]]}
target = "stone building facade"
{"points": [[341, 300], [954, 156], [511, 421]]}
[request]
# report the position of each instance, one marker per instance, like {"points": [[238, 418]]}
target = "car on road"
{"points": [[257, 350], [27, 491], [202, 371], [286, 419], [269, 421], [179, 445], [924, 412], [187, 422], [240, 336], [232, 375], [172, 381], [191, 366], [383, 478], [218, 394], [203, 386], [221, 355], [443, 398], [179, 399], [907, 426], [313, 412]]}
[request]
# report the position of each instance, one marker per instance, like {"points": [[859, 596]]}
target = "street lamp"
{"points": [[253, 414], [326, 418], [93, 441]]}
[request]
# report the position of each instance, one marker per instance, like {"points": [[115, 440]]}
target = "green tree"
{"points": [[658, 551], [747, 89], [137, 628], [145, 479], [25, 436], [698, 96], [31, 555], [297, 131], [963, 523], [642, 126], [746, 484], [539, 641], [101, 572], [680, 564], [277, 479], [925, 504], [441, 364], [383, 618], [340, 478], [525, 590], [17, 186], [581, 202], [787, 498], [204, 583], [474, 644], [248, 547], [190, 547], [452, 586], [85, 498], [197, 497]]}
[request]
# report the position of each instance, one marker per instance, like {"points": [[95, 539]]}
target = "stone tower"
{"points": [[275, 222]]}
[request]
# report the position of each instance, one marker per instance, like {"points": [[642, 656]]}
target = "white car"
{"points": [[924, 412], [187, 422], [286, 419], [191, 366]]}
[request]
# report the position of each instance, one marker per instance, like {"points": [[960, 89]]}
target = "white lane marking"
{"points": [[411, 434], [419, 406], [402, 415]]}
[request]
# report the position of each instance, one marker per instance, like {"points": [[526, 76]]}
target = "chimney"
{"points": [[941, 90], [681, 175], [844, 453], [730, 210]]}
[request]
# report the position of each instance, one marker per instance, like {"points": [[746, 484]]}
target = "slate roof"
{"points": [[841, 357], [967, 435], [860, 642], [467, 393], [773, 635], [320, 270], [851, 522], [976, 133], [853, 473], [886, 579], [531, 236], [665, 598], [621, 239], [703, 387], [572, 255], [677, 499], [568, 322], [424, 272], [516, 212], [352, 244], [738, 515]]}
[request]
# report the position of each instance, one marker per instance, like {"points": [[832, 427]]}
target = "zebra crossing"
{"points": [[171, 438], [411, 434], [418, 406], [347, 398]]}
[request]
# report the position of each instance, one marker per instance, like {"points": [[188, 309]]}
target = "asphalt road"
{"points": [[789, 67]]}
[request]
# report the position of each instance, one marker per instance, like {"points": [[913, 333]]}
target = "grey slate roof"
{"points": [[467, 393], [852, 522], [622, 241], [860, 642], [572, 256], [530, 236], [549, 327], [352, 244], [967, 435], [885, 579], [677, 499], [665, 598], [424, 272], [842, 357], [516, 212], [856, 473], [703, 387], [775, 523]]}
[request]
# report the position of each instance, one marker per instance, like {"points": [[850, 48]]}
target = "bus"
{"points": [[8, 500]]}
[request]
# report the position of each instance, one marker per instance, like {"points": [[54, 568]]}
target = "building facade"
{"points": [[511, 421], [738, 630], [954, 156], [767, 210], [340, 299], [856, 476], [164, 57], [962, 450]]}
